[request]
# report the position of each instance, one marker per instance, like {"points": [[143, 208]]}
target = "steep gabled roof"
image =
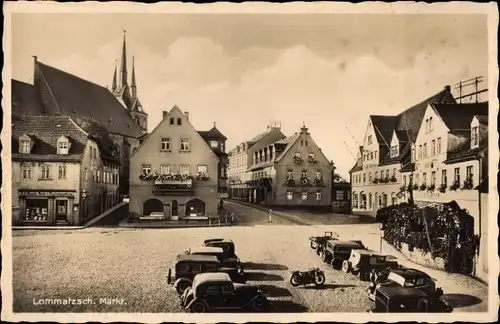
{"points": [[402, 135], [383, 127], [45, 131], [289, 141], [459, 116], [213, 133], [74, 96], [483, 119], [25, 100]]}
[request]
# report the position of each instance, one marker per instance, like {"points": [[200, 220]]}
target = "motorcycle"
{"points": [[315, 276]]}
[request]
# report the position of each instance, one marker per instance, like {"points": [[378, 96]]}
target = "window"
{"points": [[98, 173], [444, 178], [184, 169], [62, 147], [86, 175], [376, 174], [304, 196], [318, 175], [420, 151], [425, 150], [289, 174], [203, 169], [364, 177], [222, 172], [417, 179], [289, 195], [46, 174], [394, 172], [297, 154], [146, 169], [214, 144], [404, 180], [424, 178], [369, 177], [375, 155], [457, 175], [394, 150], [165, 169], [165, 144], [387, 174], [475, 136], [179, 121], [433, 148], [185, 147], [62, 172], [301, 142], [339, 195], [438, 146], [227, 289], [369, 139], [469, 172], [433, 178], [26, 172], [25, 146], [172, 121], [413, 154], [311, 156], [212, 290], [318, 196], [430, 124], [304, 174]]}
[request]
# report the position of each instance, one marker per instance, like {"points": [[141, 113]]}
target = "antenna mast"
{"points": [[469, 83]]}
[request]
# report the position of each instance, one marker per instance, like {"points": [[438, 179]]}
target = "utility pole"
{"points": [[474, 82]]}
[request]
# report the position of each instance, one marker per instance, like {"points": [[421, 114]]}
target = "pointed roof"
{"points": [[73, 96], [383, 127], [459, 116], [123, 68], [132, 84], [214, 133], [482, 119], [113, 87], [289, 141], [25, 99]]}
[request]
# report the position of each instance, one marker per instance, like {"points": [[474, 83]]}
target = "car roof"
{"points": [[208, 277], [346, 244], [398, 291], [206, 249], [197, 257], [220, 239], [410, 273], [369, 252]]}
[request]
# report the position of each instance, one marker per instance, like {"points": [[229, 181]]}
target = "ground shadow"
{"points": [[262, 276], [273, 291], [461, 300], [286, 306], [263, 266], [329, 286]]}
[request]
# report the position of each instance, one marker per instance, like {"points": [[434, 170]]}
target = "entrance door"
{"points": [[61, 210], [175, 208]]}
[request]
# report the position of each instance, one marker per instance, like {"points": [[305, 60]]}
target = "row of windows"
{"points": [[423, 151], [183, 169], [166, 144], [303, 196], [46, 173], [370, 155], [304, 174], [102, 176], [422, 179], [238, 161], [358, 178], [62, 147]]}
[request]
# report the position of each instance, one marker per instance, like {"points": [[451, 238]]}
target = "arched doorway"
{"points": [[195, 207], [175, 208], [152, 205]]}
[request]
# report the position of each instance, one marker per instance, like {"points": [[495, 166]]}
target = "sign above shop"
{"points": [[45, 194]]}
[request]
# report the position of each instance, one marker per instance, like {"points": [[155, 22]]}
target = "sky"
{"points": [[242, 71]]}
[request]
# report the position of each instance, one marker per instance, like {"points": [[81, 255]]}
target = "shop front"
{"points": [[46, 207]]}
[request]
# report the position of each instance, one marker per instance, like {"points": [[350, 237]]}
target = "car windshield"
{"points": [[396, 278]]}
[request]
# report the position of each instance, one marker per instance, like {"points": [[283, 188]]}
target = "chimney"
{"points": [[186, 113], [35, 61], [447, 87], [165, 113]]}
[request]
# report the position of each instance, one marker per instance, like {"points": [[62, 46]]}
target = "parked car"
{"points": [[397, 299], [216, 292], [319, 242], [225, 260], [227, 246], [407, 281], [336, 252], [363, 262]]}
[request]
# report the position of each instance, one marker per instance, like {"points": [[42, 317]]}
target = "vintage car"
{"points": [[336, 252], [187, 266], [227, 246], [319, 242], [216, 292], [398, 299], [225, 260], [407, 281], [363, 262]]}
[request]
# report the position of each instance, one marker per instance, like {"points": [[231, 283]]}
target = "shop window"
{"points": [[36, 210], [339, 195]]}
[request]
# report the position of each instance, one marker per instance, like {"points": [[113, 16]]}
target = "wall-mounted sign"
{"points": [[44, 194], [222, 195]]}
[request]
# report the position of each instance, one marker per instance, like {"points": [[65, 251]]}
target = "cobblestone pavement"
{"points": [[133, 264]]}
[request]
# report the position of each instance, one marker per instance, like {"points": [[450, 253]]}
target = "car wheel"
{"points": [[318, 251], [181, 286], [363, 276], [312, 245], [259, 304], [198, 307], [336, 264], [294, 280], [319, 279], [346, 267]]}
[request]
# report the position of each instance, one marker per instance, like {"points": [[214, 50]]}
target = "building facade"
{"points": [[387, 147], [118, 110], [176, 172], [61, 174], [451, 156], [341, 197], [246, 164]]}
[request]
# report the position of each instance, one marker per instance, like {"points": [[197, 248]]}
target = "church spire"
{"points": [[133, 86], [113, 87], [123, 70]]}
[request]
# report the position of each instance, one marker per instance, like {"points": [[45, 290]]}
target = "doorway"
{"points": [[61, 210], [175, 208]]}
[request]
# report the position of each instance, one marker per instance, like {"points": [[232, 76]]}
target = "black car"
{"points": [[336, 252], [216, 292]]}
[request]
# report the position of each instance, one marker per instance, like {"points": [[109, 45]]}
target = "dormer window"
{"points": [[369, 139], [25, 146], [214, 144], [474, 137], [62, 146], [394, 150]]}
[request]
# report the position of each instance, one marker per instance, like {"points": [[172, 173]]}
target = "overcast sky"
{"points": [[242, 71]]}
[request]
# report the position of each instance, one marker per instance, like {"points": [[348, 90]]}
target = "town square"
{"points": [[301, 163]]}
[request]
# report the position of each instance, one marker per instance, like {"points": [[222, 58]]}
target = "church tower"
{"points": [[127, 94]]}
